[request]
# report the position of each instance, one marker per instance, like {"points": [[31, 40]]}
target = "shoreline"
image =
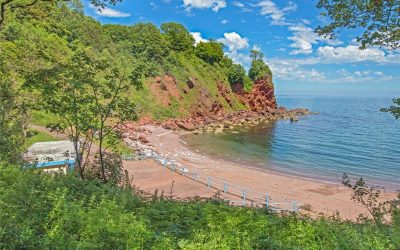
{"points": [[388, 187], [315, 195]]}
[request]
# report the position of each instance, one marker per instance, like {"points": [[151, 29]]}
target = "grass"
{"points": [[34, 136], [41, 118]]}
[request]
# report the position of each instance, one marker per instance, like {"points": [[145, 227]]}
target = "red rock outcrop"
{"points": [[225, 92], [164, 88], [262, 96]]}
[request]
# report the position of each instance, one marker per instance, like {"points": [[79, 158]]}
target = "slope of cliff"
{"points": [[196, 88], [177, 77]]}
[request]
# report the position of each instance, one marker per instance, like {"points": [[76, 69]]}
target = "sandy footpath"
{"points": [[319, 196]]}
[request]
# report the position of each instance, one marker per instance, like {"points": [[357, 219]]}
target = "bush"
{"points": [[259, 68], [236, 74], [41, 211], [211, 52], [177, 36]]}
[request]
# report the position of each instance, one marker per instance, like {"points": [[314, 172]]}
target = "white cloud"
{"points": [[233, 41], [342, 55], [238, 4], [351, 53], [294, 72], [224, 21], [304, 37], [242, 6], [289, 71], [108, 12], [214, 5], [277, 15], [303, 71], [198, 38], [239, 57], [362, 76]]}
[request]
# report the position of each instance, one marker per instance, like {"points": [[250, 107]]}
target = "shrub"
{"points": [[259, 68], [177, 36], [211, 52], [41, 211]]}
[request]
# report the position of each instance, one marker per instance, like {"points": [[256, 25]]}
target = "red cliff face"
{"points": [[262, 96]]}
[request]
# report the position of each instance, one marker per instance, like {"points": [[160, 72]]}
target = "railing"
{"points": [[246, 196]]}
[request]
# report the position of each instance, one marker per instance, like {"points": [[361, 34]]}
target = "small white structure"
{"points": [[52, 156]]}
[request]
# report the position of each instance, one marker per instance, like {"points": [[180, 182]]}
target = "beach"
{"points": [[310, 196]]}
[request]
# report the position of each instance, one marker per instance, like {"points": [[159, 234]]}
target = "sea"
{"points": [[348, 135]]}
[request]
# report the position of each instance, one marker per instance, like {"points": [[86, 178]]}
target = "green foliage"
{"points": [[247, 84], [143, 41], [41, 118], [88, 97], [10, 5], [46, 38], [177, 36], [110, 164], [211, 51], [369, 198], [41, 211], [258, 68], [378, 21], [236, 74], [394, 109], [12, 122]]}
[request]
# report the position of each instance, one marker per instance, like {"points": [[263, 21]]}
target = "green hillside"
{"points": [[45, 39]]}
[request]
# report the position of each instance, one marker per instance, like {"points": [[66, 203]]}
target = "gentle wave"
{"points": [[349, 135]]}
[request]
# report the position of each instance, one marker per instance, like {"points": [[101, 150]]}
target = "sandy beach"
{"points": [[312, 196]]}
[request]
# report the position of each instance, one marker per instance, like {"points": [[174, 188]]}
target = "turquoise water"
{"points": [[349, 135]]}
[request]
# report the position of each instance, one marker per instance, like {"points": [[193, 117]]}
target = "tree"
{"points": [[178, 36], [369, 197], [394, 109], [144, 42], [13, 121], [259, 68], [378, 20], [211, 51], [236, 74], [147, 41], [11, 5], [88, 94]]}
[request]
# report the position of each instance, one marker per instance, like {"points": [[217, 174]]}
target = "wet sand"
{"points": [[314, 196]]}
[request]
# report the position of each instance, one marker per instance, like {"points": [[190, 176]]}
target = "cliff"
{"points": [[196, 96]]}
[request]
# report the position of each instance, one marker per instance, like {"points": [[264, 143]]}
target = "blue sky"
{"points": [[302, 62]]}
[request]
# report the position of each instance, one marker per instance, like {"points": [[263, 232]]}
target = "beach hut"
{"points": [[52, 156]]}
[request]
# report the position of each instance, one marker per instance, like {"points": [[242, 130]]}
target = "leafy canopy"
{"points": [[236, 74], [378, 20], [177, 36], [12, 122], [258, 68], [211, 51], [11, 5], [394, 109]]}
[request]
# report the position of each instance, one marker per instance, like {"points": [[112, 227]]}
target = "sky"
{"points": [[302, 62]]}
